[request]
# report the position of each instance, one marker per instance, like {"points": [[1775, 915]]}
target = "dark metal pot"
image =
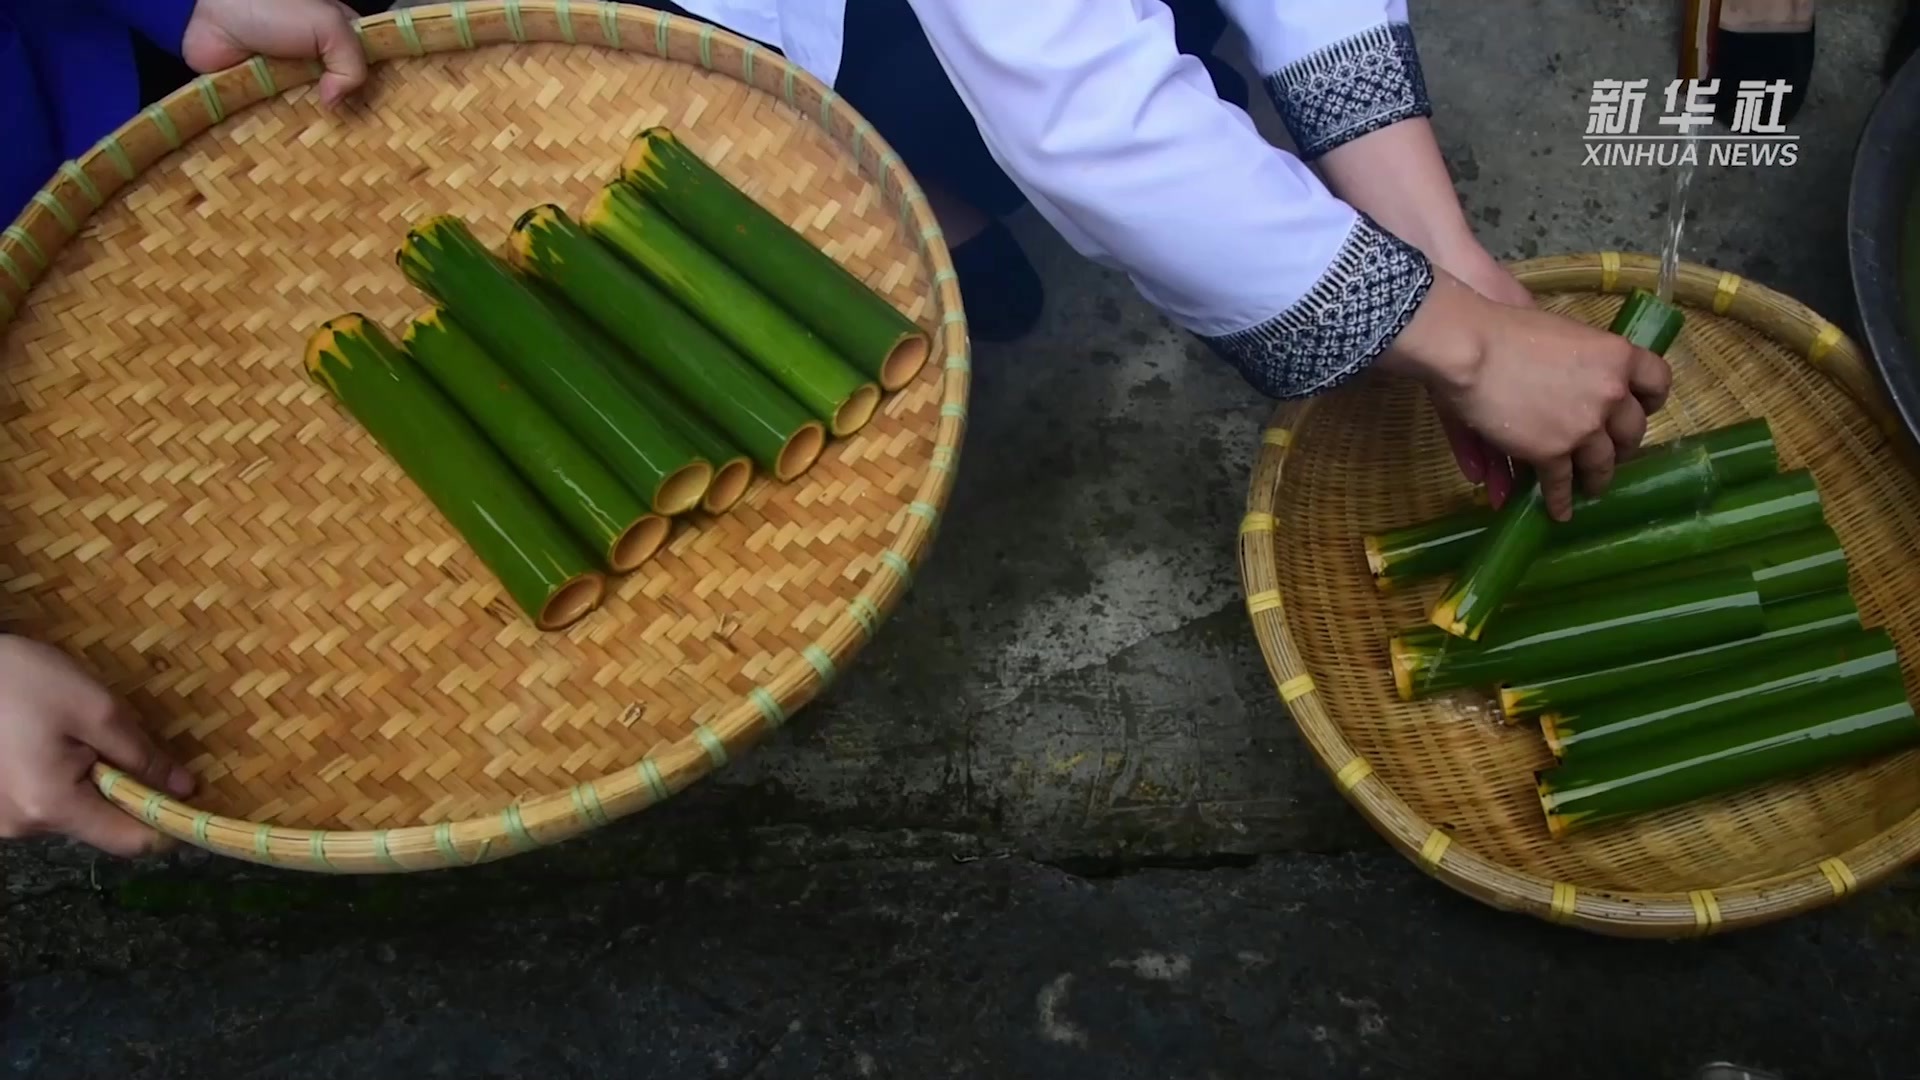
{"points": [[1883, 229]]}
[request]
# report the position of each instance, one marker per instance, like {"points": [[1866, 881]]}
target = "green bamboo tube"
{"points": [[537, 561], [1824, 730], [1424, 550], [857, 321], [654, 331], [1741, 452], [1643, 489], [603, 512], [732, 468], [778, 343], [1787, 625], [1780, 504], [1784, 567], [1536, 642], [631, 436], [1523, 527], [1723, 696]]}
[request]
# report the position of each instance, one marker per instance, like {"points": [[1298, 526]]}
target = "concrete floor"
{"points": [[1068, 835]]}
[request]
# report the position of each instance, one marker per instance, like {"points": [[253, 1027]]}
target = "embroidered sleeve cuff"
{"points": [[1349, 88], [1365, 298]]}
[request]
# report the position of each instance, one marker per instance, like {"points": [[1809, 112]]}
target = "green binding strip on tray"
{"points": [[403, 21], [787, 85], [769, 708], [261, 842], [563, 11], [157, 114], [746, 64], [826, 109], [706, 46], [650, 774], [860, 132], [381, 849], [13, 271], [586, 804], [462, 24], [943, 458], [443, 839], [517, 828], [865, 614], [891, 560], [150, 810], [716, 750], [57, 208], [954, 410], [263, 74], [661, 40], [610, 22], [924, 511], [514, 26], [118, 155], [317, 847], [72, 171], [210, 97], [822, 664], [200, 822], [959, 362], [27, 244]]}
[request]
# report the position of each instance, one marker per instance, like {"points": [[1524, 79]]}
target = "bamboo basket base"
{"points": [[195, 520], [1451, 785]]}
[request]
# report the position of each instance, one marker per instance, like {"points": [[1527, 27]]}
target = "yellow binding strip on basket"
{"points": [[1609, 270], [1263, 601], [1565, 896], [1352, 773], [1706, 910], [1823, 342], [1723, 292], [1255, 522], [1277, 436], [1435, 847], [1296, 688], [1840, 876]]}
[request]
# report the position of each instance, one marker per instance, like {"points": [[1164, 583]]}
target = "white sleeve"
{"points": [[1122, 144], [1335, 69]]}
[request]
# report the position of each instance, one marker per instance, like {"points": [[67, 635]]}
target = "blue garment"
{"points": [[67, 78]]}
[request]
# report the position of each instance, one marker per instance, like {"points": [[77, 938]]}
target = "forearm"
{"points": [[1397, 176], [1122, 144]]}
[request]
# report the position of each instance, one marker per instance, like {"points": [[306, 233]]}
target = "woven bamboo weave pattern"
{"points": [[199, 523], [1374, 457]]}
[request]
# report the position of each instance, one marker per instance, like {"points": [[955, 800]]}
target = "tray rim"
{"points": [[1616, 913], [61, 208]]}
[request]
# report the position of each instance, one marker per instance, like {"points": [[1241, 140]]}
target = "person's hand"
{"points": [[222, 33], [55, 723], [1554, 393], [1479, 462]]}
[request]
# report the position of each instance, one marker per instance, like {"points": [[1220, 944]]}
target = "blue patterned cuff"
{"points": [[1345, 90], [1343, 324]]}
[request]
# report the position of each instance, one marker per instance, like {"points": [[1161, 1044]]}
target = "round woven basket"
{"points": [[1454, 789], [189, 515]]}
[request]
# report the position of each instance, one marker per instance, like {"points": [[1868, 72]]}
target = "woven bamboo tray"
{"points": [[188, 514], [1453, 790]]}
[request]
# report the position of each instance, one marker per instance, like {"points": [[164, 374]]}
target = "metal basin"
{"points": [[1883, 238]]}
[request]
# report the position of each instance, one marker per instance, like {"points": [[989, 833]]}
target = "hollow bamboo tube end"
{"points": [[730, 481], [683, 489], [1550, 731], [640, 542], [1446, 616], [1376, 560], [905, 361], [1511, 703], [572, 601], [1558, 825], [1400, 658], [802, 449], [854, 413]]}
